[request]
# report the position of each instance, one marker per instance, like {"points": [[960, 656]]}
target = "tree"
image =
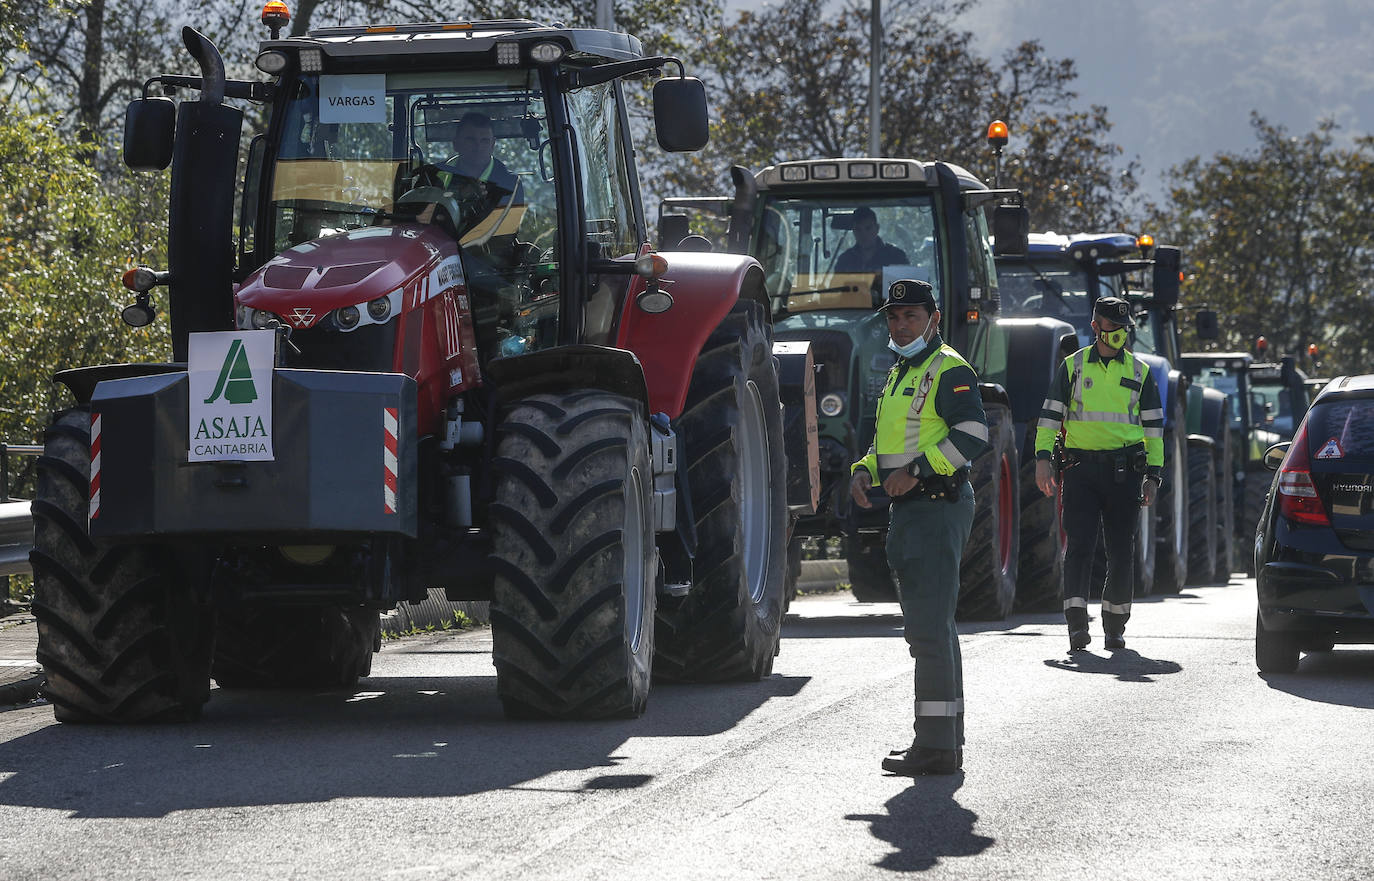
{"points": [[1278, 241], [791, 82]]}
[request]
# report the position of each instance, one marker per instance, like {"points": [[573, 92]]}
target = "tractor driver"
{"points": [[474, 140], [870, 253]]}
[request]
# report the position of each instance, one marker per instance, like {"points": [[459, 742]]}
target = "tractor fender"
{"points": [[564, 368], [704, 288], [1207, 412], [1170, 382], [992, 393], [83, 380], [1035, 347]]}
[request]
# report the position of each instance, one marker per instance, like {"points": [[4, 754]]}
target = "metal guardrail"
{"points": [[16, 521]]}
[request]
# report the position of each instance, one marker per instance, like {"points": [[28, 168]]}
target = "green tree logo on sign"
{"points": [[235, 380]]}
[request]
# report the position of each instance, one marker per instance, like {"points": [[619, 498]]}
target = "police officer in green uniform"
{"points": [[1107, 405], [931, 425]]}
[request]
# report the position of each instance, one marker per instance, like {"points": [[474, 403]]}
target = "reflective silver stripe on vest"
{"points": [[1054, 406], [1116, 608], [1104, 416], [1154, 432], [895, 460], [940, 708], [951, 452], [1052, 424], [973, 429], [1075, 603], [1136, 368], [1076, 392], [913, 419], [1152, 414]]}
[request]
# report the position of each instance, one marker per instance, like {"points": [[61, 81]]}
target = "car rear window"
{"points": [[1342, 428]]}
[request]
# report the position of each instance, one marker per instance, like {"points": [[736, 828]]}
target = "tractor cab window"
{"points": [[842, 253], [466, 151], [1047, 288]]}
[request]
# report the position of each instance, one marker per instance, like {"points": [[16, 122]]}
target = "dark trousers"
{"points": [[1095, 492], [925, 541]]}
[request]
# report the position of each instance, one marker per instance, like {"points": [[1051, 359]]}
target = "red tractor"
{"points": [[435, 350]]}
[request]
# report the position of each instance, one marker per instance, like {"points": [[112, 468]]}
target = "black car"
{"points": [[1314, 547]]}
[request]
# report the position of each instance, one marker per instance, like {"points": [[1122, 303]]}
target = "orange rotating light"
{"points": [[997, 134], [276, 16]]}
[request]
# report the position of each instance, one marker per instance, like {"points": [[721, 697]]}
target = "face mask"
{"points": [[913, 348], [1114, 338]]}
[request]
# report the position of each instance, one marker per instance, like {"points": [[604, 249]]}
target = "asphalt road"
{"points": [[1172, 759]]}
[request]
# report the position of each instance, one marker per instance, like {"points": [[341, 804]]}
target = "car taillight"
{"points": [[1298, 500]]}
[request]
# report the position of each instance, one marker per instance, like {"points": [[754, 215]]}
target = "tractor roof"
{"points": [[1108, 245], [460, 38], [864, 172]]}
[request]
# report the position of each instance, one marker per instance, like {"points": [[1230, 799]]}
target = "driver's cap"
{"points": [[910, 292]]}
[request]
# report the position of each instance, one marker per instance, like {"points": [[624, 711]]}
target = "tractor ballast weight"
{"points": [[485, 385]]}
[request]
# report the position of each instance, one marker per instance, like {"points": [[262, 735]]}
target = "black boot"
{"points": [[918, 761]]}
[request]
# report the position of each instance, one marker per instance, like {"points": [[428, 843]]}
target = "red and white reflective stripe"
{"points": [[95, 465], [389, 422]]}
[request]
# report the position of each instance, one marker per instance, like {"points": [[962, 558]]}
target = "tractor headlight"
{"points": [[347, 317], [832, 405], [379, 309], [254, 319]]}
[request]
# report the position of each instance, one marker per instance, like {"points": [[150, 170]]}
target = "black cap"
{"points": [[1115, 310], [910, 292]]}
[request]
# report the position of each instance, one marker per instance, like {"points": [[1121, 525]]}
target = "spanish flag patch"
{"points": [[961, 388]]}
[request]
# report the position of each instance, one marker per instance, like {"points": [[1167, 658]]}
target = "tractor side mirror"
{"points": [[1168, 259], [1010, 230], [1206, 325], [149, 126], [680, 115], [672, 229]]}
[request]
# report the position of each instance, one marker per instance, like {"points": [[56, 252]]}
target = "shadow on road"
{"points": [[1343, 677], [925, 823], [393, 738], [1126, 665]]}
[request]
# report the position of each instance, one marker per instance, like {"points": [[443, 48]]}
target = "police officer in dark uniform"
{"points": [[1106, 405], [931, 425]]}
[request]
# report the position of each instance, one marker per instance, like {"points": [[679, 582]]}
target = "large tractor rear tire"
{"points": [[121, 636], [1171, 512], [794, 560], [573, 551], [1202, 512], [1256, 492], [1224, 467], [1146, 547], [1040, 578], [728, 626], [991, 555], [870, 577], [262, 645]]}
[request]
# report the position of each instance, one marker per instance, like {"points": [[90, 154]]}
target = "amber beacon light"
{"points": [[276, 16]]}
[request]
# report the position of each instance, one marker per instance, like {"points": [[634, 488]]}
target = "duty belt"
{"points": [[937, 486], [1104, 456]]}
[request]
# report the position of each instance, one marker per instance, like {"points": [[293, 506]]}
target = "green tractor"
{"points": [[831, 235]]}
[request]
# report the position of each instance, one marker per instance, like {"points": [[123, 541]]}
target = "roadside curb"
{"points": [[23, 691]]}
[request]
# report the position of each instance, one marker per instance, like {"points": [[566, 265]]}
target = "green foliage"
{"points": [[1278, 241], [65, 237], [792, 82]]}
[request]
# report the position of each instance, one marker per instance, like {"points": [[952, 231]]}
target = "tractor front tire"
{"points": [[576, 566], [1041, 568], [987, 589], [269, 645], [121, 636], [870, 577], [728, 626], [1202, 513]]}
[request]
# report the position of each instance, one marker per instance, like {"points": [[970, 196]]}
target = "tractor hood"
{"points": [[304, 284]]}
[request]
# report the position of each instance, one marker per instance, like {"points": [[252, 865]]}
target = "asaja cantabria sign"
{"points": [[231, 396]]}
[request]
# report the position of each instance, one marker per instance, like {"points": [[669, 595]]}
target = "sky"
{"points": [[1181, 77]]}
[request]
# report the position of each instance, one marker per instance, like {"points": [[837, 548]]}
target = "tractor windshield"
{"points": [[842, 252], [356, 147], [467, 151]]}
